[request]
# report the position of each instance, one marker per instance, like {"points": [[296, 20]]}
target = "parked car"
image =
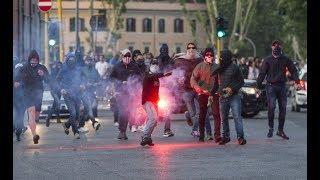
{"points": [[47, 101], [298, 97]]}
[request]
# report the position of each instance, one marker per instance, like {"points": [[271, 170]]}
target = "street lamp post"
{"points": [[251, 42], [77, 27]]}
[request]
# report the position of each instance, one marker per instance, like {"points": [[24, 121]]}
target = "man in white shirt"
{"points": [[102, 67]]}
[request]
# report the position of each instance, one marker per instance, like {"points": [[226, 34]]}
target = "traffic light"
{"points": [[221, 25]]}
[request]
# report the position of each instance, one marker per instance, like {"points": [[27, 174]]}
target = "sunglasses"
{"points": [[127, 55], [191, 47]]}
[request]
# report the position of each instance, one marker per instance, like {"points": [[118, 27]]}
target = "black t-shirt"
{"points": [[151, 86]]}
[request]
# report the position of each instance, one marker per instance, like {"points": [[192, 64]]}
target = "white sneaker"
{"points": [[83, 130], [134, 128], [116, 124]]}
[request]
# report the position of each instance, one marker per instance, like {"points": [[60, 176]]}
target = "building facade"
{"points": [[146, 26], [28, 28]]}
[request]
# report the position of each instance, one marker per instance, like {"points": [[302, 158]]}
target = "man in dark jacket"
{"points": [[230, 80], [138, 58], [71, 80], [165, 64], [274, 69], [120, 74], [187, 63], [244, 68], [150, 99], [55, 93], [202, 81], [32, 75]]}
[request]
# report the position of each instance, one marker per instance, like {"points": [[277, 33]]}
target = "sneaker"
{"points": [[146, 141], [270, 133], [282, 134], [96, 125], [66, 130], [47, 122], [242, 141], [36, 139], [122, 136], [189, 120], [83, 130], [218, 140], [18, 136], [224, 141], [134, 128], [168, 133], [209, 137], [76, 135], [195, 133], [116, 124]]}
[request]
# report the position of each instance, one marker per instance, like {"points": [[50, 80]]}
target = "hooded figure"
{"points": [[164, 59]]}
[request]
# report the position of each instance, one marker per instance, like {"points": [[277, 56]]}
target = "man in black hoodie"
{"points": [[230, 80], [32, 75], [274, 68]]}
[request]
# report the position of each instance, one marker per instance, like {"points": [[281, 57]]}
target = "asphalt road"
{"points": [[99, 155]]}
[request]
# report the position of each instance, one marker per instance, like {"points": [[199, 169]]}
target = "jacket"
{"points": [[188, 65], [150, 88], [202, 78]]}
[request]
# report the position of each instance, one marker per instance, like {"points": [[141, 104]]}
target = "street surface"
{"points": [[99, 155]]}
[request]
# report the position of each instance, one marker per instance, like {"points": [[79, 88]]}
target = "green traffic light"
{"points": [[221, 34]]}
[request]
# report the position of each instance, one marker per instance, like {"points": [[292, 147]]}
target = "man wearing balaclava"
{"points": [[138, 58], [31, 76], [55, 93], [71, 80], [164, 60], [119, 76], [230, 80], [187, 63], [274, 69], [89, 100]]}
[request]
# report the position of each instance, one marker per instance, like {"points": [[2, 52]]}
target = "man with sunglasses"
{"points": [[187, 63], [202, 81], [119, 76]]}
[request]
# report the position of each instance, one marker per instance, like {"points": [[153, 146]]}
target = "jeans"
{"points": [[87, 104], [203, 102], [233, 102], [73, 105], [18, 110], [192, 103], [276, 92], [56, 105], [124, 114], [207, 121], [152, 118], [115, 109]]}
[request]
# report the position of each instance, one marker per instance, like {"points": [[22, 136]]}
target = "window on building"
{"points": [[161, 26], [99, 49], [193, 25], [131, 25], [72, 24], [146, 49], [178, 49], [178, 25], [147, 25], [98, 22]]}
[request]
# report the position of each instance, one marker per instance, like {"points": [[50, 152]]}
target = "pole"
{"points": [[95, 39], [77, 27], [91, 33], [218, 50], [61, 42], [46, 41]]}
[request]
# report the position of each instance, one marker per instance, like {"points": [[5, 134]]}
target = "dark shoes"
{"points": [[66, 129], [58, 120], [242, 141], [224, 141], [146, 141], [282, 134], [270, 133], [36, 139], [18, 136], [168, 133], [47, 122], [122, 136]]}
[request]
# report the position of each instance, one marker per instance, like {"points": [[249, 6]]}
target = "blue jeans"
{"points": [[87, 104], [56, 104], [276, 92], [233, 102], [207, 121], [73, 104], [192, 103], [151, 110]]}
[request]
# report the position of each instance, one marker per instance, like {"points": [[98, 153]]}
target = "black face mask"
{"points": [[277, 51], [34, 65]]}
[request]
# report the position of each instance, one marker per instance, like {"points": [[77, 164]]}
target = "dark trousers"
{"points": [[55, 106], [124, 114], [115, 109], [203, 101], [87, 100], [276, 92], [73, 105], [18, 110]]}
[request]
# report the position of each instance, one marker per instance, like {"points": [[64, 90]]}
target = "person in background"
{"points": [[244, 68], [253, 70], [148, 56]]}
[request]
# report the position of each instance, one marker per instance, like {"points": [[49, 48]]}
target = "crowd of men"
{"points": [[209, 86]]}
